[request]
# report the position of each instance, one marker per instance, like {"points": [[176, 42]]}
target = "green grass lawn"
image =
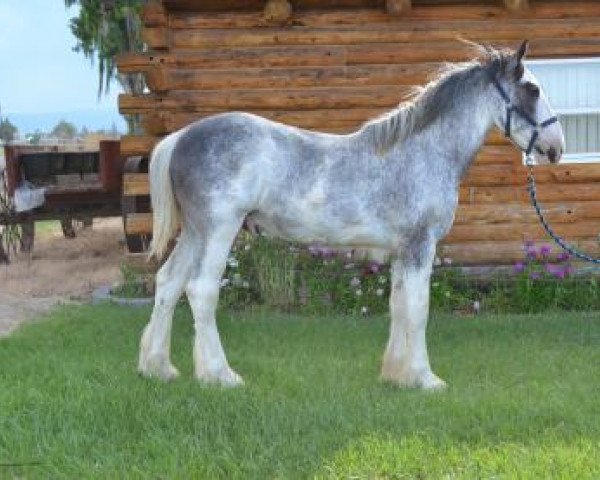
{"points": [[523, 400]]}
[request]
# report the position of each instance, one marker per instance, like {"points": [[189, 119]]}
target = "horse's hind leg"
{"points": [[154, 360], [210, 363]]}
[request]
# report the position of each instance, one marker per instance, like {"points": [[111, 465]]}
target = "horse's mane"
{"points": [[450, 83]]}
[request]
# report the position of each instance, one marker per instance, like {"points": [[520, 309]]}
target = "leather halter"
{"points": [[510, 108]]}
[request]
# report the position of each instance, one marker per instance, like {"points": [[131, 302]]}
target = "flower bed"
{"points": [[319, 279]]}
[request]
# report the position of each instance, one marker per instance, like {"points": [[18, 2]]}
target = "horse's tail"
{"points": [[165, 212]]}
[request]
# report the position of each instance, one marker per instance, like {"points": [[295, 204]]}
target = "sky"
{"points": [[39, 71]]}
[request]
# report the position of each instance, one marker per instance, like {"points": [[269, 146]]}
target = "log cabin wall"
{"points": [[330, 65]]}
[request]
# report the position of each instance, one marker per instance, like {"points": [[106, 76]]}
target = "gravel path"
{"points": [[59, 270]]}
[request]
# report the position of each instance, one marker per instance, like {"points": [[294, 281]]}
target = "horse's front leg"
{"points": [[405, 361]]}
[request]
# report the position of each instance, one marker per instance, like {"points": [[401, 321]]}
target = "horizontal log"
{"points": [[136, 184], [162, 78], [284, 99], [327, 18], [247, 5], [516, 173], [138, 223], [453, 51], [154, 14], [546, 193], [398, 32], [158, 38], [132, 145], [322, 55], [162, 122], [323, 5], [521, 231], [501, 253], [516, 212]]}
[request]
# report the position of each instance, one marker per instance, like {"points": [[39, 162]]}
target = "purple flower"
{"points": [[535, 275], [545, 250], [560, 274], [375, 267], [563, 257], [569, 270], [531, 253], [558, 271], [519, 267], [552, 269]]}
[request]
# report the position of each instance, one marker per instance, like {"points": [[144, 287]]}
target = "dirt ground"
{"points": [[59, 270]]}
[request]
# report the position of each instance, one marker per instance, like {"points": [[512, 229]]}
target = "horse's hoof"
{"points": [[433, 384], [158, 369], [225, 378], [428, 382]]}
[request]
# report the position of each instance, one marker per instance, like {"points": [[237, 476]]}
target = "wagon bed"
{"points": [[78, 185]]}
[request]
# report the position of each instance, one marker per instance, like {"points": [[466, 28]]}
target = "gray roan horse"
{"points": [[392, 185]]}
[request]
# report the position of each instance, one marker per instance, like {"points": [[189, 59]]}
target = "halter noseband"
{"points": [[519, 111]]}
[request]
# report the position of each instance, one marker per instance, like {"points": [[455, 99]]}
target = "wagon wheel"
{"points": [[71, 225], [67, 224], [135, 204], [10, 233]]}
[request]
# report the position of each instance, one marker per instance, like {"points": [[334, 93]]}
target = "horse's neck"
{"points": [[455, 137], [462, 131]]}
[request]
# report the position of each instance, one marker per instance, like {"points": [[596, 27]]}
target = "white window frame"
{"points": [[587, 157]]}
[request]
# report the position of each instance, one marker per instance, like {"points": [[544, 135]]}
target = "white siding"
{"points": [[582, 132], [573, 88]]}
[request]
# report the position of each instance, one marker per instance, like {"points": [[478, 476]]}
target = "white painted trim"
{"points": [[584, 157], [558, 61], [572, 111]]}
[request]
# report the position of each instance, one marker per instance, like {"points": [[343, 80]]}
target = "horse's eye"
{"points": [[533, 89]]}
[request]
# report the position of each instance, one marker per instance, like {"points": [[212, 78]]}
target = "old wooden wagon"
{"points": [[72, 185], [331, 64]]}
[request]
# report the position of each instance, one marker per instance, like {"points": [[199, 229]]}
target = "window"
{"points": [[573, 89]]}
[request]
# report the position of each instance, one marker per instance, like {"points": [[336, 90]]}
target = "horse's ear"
{"points": [[516, 64], [522, 51]]}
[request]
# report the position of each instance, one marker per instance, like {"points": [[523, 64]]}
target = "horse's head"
{"points": [[523, 112]]}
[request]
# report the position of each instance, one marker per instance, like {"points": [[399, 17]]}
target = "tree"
{"points": [[35, 137], [103, 29], [64, 130], [7, 130]]}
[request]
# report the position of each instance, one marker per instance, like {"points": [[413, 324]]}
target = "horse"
{"points": [[392, 185]]}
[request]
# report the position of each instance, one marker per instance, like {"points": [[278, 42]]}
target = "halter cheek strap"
{"points": [[510, 108]]}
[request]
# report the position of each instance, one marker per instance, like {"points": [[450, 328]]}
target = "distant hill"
{"points": [[92, 119]]}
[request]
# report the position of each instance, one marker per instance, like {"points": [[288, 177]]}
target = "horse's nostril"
{"points": [[552, 155]]}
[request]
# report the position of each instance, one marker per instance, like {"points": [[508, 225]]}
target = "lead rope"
{"points": [[531, 186]]}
